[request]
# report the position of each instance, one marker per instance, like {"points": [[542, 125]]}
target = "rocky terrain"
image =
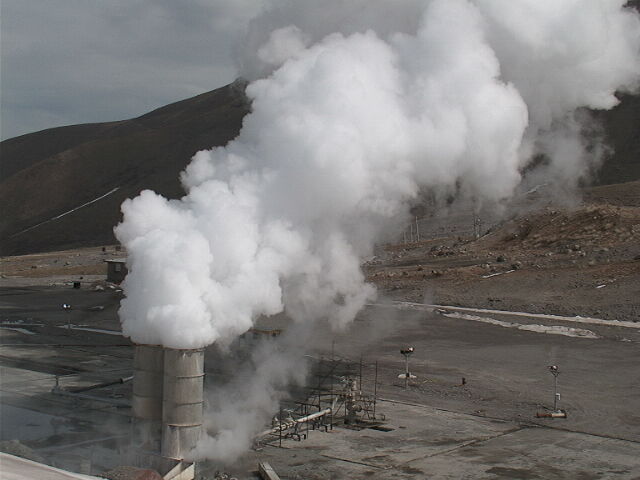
{"points": [[580, 261]]}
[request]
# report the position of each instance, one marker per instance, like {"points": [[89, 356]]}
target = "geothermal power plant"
{"points": [[167, 407], [406, 238]]}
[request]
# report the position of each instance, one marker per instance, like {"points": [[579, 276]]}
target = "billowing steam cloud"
{"points": [[345, 129], [356, 106], [243, 406]]}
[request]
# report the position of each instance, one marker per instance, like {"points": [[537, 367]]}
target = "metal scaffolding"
{"points": [[341, 391]]}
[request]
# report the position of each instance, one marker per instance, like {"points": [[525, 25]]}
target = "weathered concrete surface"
{"points": [[430, 443], [16, 468], [483, 429], [506, 369], [417, 431], [69, 433], [533, 453]]}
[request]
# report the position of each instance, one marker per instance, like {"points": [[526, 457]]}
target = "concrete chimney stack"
{"points": [[168, 397], [148, 374], [182, 401]]}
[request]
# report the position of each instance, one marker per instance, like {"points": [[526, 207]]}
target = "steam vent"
{"points": [[168, 394]]}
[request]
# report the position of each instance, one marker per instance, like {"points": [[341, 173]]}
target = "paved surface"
{"points": [[16, 468], [438, 428], [536, 453], [38, 350], [428, 443], [505, 369]]}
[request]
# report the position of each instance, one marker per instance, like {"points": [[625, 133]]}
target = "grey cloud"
{"points": [[77, 61]]}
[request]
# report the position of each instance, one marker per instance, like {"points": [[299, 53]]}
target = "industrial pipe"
{"points": [[291, 423], [99, 385], [558, 414]]}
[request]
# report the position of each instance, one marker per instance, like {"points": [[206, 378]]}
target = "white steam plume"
{"points": [[356, 106], [344, 131], [238, 411]]}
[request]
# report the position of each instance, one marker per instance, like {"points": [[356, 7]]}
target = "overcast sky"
{"points": [[76, 61]]}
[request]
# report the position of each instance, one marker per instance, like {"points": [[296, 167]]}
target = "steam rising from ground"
{"points": [[356, 107], [238, 411]]}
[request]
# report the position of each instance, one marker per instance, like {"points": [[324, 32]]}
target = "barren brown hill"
{"points": [[47, 175]]}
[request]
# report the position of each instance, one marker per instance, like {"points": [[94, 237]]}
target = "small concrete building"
{"points": [[116, 269]]}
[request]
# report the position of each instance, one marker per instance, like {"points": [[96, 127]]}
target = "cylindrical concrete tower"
{"points": [[148, 365], [183, 397]]}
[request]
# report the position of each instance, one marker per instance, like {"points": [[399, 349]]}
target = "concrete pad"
{"points": [[532, 453], [305, 464], [13, 378], [416, 431], [16, 468], [429, 443]]}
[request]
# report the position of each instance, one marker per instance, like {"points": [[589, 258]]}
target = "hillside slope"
{"points": [[48, 173], [622, 132]]}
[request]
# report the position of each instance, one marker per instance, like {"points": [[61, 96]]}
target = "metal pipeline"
{"points": [[291, 423], [99, 385]]}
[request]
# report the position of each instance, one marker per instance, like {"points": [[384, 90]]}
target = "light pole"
{"points": [[407, 353], [66, 307], [556, 412]]}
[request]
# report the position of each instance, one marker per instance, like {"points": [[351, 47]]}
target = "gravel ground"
{"points": [[584, 262]]}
